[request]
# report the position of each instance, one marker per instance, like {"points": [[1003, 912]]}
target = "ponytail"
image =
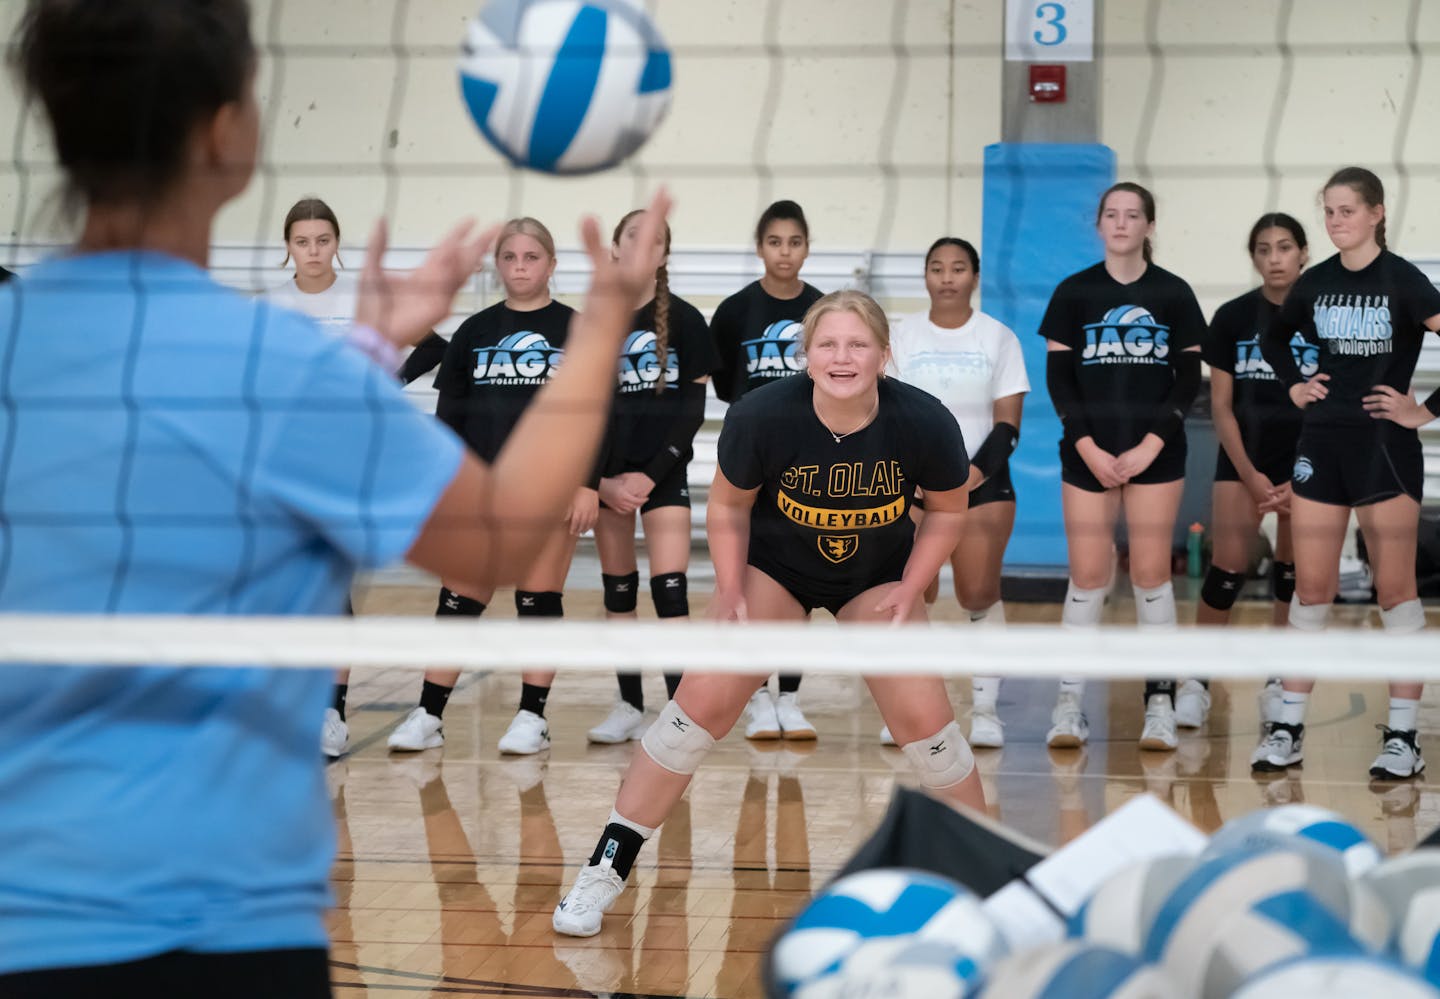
{"points": [[662, 323]]}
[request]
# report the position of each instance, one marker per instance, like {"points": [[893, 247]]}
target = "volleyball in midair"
{"points": [[565, 86]]}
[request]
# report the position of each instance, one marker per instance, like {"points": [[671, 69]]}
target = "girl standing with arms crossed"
{"points": [[1123, 368], [497, 361], [1366, 310], [974, 365], [757, 334], [659, 407]]}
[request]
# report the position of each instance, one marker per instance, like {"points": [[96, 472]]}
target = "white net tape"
{"points": [[760, 649]]}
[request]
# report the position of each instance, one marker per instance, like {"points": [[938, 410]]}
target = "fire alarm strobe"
{"points": [[1047, 84]]}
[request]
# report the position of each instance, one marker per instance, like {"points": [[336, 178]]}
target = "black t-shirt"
{"points": [[758, 338], [830, 512], [1261, 403], [496, 362], [1122, 338], [1368, 326], [642, 416]]}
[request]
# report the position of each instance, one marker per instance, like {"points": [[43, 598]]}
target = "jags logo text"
{"points": [[1251, 365], [776, 352], [1128, 334], [524, 358], [640, 368]]}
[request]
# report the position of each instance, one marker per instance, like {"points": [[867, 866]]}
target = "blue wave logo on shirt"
{"points": [[776, 352], [1250, 364], [525, 358], [640, 368], [1128, 334]]}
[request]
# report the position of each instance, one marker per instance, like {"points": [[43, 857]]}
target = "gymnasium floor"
{"points": [[451, 861]]}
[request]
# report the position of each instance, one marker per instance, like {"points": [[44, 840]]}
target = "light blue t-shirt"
{"points": [[169, 446]]}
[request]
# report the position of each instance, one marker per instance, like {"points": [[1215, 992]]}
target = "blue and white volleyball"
{"points": [[1336, 977], [1077, 969], [1118, 915], [1299, 827], [1409, 885], [887, 932], [1241, 911], [565, 86], [1128, 315]]}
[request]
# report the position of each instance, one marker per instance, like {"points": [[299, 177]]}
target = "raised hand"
{"points": [[404, 308]]}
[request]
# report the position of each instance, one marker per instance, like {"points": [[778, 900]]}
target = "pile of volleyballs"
{"points": [[1290, 901], [565, 86]]}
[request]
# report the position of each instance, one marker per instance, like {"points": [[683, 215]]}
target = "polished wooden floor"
{"points": [[452, 860]]}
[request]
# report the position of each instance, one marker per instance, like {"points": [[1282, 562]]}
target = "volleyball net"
{"points": [[875, 117], [758, 649]]}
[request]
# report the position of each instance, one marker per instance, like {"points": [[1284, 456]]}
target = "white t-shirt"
{"points": [[967, 368], [333, 308]]}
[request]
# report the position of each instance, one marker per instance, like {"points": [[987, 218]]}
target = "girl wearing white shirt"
{"points": [[312, 241], [974, 365]]}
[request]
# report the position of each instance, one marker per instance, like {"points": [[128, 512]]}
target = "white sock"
{"points": [[645, 831], [985, 692], [1308, 617], [1082, 607], [1404, 714], [1072, 686], [1404, 618], [1292, 708], [992, 615], [1155, 606]]}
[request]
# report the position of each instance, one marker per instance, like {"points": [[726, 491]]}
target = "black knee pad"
{"points": [[621, 596], [1221, 589], [454, 604], [1282, 579], [533, 603], [670, 591]]}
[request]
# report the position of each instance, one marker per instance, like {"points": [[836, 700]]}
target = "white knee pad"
{"points": [[676, 742], [1083, 607], [992, 616], [943, 760], [1155, 607], [1403, 619], [1308, 617]]}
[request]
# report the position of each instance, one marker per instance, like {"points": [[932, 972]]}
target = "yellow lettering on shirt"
{"points": [[837, 520]]}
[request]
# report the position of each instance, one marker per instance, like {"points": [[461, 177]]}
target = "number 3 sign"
{"points": [[1049, 30]]}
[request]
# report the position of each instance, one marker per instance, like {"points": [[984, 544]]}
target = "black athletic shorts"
{"points": [[833, 594], [1273, 456], [293, 974], [1357, 466], [673, 490], [996, 489], [1168, 466]]}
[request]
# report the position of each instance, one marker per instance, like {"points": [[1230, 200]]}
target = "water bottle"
{"points": [[1195, 551]]}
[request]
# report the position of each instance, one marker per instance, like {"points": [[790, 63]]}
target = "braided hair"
{"points": [[662, 296]]}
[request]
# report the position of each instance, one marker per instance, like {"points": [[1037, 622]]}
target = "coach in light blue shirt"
{"points": [[167, 446], [248, 470]]}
